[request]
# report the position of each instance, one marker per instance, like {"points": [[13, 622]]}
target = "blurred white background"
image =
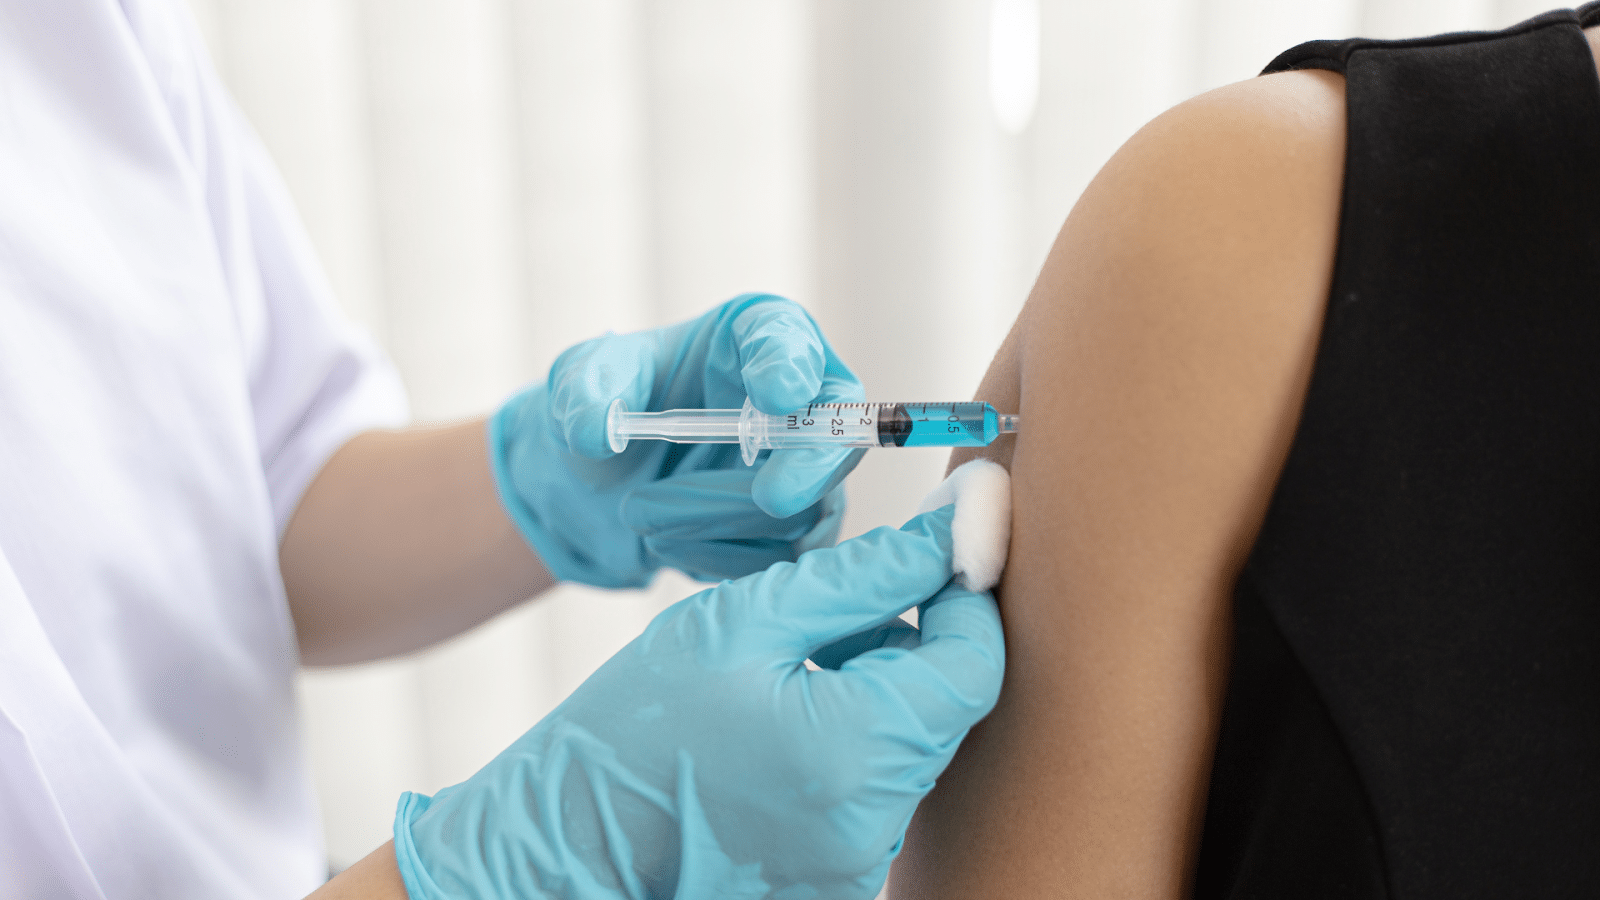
{"points": [[490, 181]]}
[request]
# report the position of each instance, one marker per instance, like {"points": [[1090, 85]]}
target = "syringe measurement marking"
{"points": [[836, 423]]}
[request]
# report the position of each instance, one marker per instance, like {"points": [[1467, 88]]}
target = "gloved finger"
{"points": [[791, 480], [952, 678], [771, 350], [711, 559], [709, 505], [774, 351], [586, 378], [896, 632], [826, 532], [860, 584], [716, 560]]}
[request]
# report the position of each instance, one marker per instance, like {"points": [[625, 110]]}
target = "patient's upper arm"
{"points": [[1159, 367]]}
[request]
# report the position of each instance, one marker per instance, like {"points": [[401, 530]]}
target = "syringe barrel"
{"points": [[918, 424], [958, 424], [828, 425]]}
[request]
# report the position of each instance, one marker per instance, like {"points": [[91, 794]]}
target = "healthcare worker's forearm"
{"points": [[375, 877], [400, 542]]}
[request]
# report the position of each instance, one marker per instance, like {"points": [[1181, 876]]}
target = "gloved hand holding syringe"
{"points": [[943, 424]]}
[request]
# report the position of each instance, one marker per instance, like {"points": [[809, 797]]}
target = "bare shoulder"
{"points": [[1300, 104], [1249, 166], [1159, 367], [1184, 298], [1292, 118], [1207, 242]]}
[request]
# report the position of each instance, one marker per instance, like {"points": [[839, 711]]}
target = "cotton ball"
{"points": [[981, 531]]}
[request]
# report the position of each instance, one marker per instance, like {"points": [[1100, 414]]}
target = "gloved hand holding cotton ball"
{"points": [[978, 498], [706, 760]]}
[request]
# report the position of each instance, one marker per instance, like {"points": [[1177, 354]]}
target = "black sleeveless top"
{"points": [[1414, 705]]}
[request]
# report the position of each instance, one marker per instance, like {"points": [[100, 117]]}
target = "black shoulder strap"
{"points": [[1334, 55]]}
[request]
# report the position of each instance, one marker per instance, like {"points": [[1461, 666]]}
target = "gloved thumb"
{"points": [[586, 378], [896, 632], [860, 584], [952, 678], [792, 480]]}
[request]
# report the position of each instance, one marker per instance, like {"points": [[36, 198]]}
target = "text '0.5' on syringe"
{"points": [[958, 424]]}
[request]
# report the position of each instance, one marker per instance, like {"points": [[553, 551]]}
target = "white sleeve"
{"points": [[316, 379]]}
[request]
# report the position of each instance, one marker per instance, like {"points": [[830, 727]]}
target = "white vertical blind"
{"points": [[440, 117], [1014, 62], [489, 181], [583, 193], [728, 111], [1410, 18]]}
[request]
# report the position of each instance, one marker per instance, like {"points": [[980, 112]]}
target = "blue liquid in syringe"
{"points": [[967, 424]]}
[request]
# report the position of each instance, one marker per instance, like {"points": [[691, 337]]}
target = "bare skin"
{"points": [[1169, 341], [374, 877], [401, 542]]}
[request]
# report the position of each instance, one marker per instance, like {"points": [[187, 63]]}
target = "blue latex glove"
{"points": [[611, 519], [706, 760]]}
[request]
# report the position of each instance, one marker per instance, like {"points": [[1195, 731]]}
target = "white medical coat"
{"points": [[172, 375]]}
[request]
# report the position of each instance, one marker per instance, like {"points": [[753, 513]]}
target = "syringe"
{"points": [[958, 424]]}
